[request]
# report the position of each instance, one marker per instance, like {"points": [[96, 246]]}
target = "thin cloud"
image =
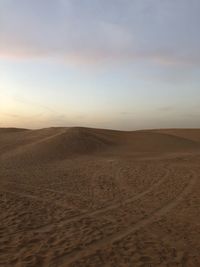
{"points": [[126, 113], [32, 103], [20, 116], [166, 109], [93, 32]]}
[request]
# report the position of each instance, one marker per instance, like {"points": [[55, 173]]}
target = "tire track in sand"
{"points": [[96, 212], [92, 248]]}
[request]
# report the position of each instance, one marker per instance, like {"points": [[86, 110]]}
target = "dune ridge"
{"points": [[63, 142]]}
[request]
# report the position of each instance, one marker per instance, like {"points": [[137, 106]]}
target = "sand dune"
{"points": [[94, 197], [191, 134], [58, 143]]}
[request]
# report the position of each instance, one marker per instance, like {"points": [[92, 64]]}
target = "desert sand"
{"points": [[89, 197]]}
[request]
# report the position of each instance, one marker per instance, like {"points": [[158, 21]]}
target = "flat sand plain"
{"points": [[89, 197]]}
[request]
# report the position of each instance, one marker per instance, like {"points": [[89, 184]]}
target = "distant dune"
{"points": [[83, 197], [191, 134], [57, 143], [12, 130]]}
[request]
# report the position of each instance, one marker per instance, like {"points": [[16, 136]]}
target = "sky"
{"points": [[119, 64]]}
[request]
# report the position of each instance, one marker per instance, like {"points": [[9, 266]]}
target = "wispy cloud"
{"points": [[166, 109], [127, 113], [89, 32], [26, 101], [39, 113]]}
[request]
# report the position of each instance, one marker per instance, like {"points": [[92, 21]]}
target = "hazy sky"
{"points": [[124, 64]]}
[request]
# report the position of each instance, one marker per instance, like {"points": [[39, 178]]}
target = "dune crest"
{"points": [[57, 143]]}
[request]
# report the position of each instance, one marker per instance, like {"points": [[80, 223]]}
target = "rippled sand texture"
{"points": [[89, 197]]}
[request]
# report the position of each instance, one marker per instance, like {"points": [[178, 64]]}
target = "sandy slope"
{"points": [[92, 197]]}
